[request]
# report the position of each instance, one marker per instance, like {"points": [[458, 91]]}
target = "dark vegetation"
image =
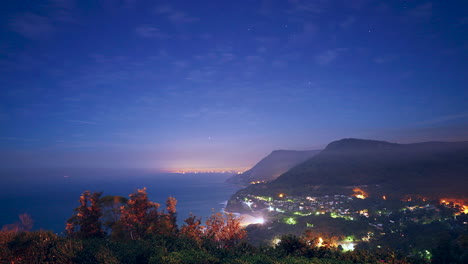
{"points": [[114, 229]]}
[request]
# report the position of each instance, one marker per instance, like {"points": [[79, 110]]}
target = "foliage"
{"points": [[111, 213], [146, 235], [86, 222], [25, 224], [192, 229], [225, 231], [139, 215]]}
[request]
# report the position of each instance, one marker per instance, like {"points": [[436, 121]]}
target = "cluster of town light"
{"points": [[456, 202], [290, 221], [348, 244], [257, 182]]}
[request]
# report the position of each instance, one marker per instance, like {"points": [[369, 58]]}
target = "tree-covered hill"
{"points": [[421, 168], [433, 169]]}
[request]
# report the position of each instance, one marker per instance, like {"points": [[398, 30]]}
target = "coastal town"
{"points": [[347, 207], [373, 218]]}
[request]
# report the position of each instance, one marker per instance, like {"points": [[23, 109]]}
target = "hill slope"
{"points": [[273, 165], [419, 168]]}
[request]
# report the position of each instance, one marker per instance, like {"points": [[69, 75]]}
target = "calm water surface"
{"points": [[50, 195]]}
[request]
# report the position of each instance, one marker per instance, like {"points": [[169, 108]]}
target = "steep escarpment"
{"points": [[436, 169]]}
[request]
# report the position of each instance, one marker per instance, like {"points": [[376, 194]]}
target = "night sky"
{"points": [[220, 84]]}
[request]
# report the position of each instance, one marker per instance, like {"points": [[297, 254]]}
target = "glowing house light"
{"points": [[320, 242], [348, 246], [250, 220], [359, 193]]}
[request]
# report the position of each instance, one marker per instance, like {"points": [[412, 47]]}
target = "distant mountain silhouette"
{"points": [[273, 165], [427, 168]]}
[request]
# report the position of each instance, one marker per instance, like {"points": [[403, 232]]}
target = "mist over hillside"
{"points": [[428, 168], [272, 166]]}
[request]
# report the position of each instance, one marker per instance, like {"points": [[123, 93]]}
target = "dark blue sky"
{"points": [[215, 84]]}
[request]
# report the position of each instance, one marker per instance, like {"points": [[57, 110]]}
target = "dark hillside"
{"points": [[420, 168]]}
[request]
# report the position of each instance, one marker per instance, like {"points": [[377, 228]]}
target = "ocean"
{"points": [[50, 195]]}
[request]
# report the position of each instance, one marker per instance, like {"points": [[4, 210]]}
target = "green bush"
{"points": [[190, 256]]}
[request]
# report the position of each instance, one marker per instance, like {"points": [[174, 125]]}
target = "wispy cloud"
{"points": [[82, 122], [204, 74], [32, 26], [180, 64], [307, 6], [148, 31], [357, 4], [266, 7], [308, 33], [19, 139], [348, 22], [4, 116], [442, 119], [175, 16], [420, 13], [328, 56], [117, 5], [217, 111], [384, 59], [63, 10]]}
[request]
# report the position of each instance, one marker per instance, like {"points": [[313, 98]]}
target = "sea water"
{"points": [[50, 195]]}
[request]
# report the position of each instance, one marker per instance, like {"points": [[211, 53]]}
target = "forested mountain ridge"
{"points": [[418, 168], [273, 165]]}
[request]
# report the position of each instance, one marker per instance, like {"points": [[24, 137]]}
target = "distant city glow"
{"points": [[208, 170]]}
